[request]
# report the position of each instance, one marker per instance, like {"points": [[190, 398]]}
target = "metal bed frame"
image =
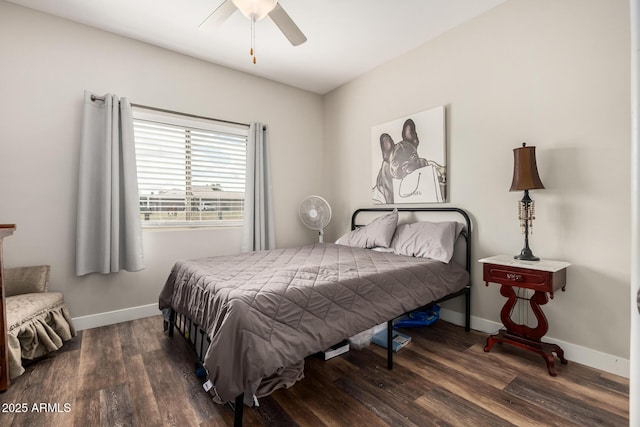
{"points": [[196, 337], [466, 291]]}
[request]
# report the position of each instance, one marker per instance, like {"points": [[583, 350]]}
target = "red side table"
{"points": [[544, 277]]}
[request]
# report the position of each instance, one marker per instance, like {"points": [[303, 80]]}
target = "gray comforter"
{"points": [[266, 311]]}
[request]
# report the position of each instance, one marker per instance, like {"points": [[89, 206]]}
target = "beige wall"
{"points": [[46, 64], [554, 74]]}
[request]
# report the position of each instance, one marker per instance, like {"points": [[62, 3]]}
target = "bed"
{"points": [[252, 318]]}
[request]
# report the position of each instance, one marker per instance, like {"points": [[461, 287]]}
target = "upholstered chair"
{"points": [[38, 321]]}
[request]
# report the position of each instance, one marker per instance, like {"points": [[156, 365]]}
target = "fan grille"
{"points": [[315, 212]]}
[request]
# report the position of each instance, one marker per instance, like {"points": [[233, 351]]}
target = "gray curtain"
{"points": [[259, 231], [108, 235]]}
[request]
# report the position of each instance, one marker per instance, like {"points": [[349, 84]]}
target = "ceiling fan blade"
{"points": [[218, 16], [287, 26]]}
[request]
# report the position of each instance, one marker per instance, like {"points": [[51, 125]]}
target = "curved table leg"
{"points": [[524, 336], [491, 340]]}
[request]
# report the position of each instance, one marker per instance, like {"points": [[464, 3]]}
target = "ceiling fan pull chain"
{"points": [[253, 39]]}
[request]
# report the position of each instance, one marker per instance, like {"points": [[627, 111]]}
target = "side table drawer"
{"points": [[523, 278]]}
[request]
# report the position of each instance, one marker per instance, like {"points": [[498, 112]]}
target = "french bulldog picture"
{"points": [[406, 171]]}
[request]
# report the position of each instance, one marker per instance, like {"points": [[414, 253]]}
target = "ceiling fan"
{"points": [[256, 10]]}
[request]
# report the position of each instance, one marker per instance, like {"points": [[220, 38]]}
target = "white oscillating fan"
{"points": [[315, 213]]}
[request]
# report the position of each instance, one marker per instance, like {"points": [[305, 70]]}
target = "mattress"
{"points": [[265, 311]]}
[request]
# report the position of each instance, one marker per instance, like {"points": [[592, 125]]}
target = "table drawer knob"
{"points": [[515, 277]]}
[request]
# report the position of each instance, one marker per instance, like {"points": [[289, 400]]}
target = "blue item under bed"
{"points": [[419, 318]]}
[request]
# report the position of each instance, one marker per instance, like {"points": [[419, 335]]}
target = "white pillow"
{"points": [[435, 240], [378, 233]]}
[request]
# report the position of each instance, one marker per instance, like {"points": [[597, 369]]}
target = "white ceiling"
{"points": [[346, 38]]}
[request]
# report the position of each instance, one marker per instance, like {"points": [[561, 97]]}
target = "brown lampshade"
{"points": [[525, 170]]}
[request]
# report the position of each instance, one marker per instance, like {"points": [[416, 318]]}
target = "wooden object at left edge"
{"points": [[5, 230]]}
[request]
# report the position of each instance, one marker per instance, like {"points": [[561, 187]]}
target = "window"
{"points": [[191, 171]]}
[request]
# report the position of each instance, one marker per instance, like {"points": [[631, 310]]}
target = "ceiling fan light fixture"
{"points": [[255, 9]]}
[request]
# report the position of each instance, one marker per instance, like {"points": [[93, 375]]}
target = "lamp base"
{"points": [[526, 255]]}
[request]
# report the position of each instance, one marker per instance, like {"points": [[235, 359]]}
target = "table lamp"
{"points": [[525, 177]]}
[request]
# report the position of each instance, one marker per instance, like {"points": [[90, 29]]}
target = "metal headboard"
{"points": [[466, 233]]}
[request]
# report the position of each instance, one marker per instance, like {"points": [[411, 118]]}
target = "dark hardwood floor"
{"points": [[131, 374]]}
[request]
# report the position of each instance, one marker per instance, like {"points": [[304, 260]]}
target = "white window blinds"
{"points": [[191, 171]]}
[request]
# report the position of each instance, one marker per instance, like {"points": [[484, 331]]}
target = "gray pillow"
{"points": [[378, 233], [435, 240]]}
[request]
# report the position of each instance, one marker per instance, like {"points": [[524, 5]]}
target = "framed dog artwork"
{"points": [[409, 159]]}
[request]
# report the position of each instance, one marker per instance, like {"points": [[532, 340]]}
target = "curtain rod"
{"points": [[162, 110]]}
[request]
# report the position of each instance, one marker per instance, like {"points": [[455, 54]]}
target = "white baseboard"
{"points": [[586, 356], [116, 316], [579, 354]]}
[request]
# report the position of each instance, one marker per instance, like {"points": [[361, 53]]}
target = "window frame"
{"points": [[190, 123]]}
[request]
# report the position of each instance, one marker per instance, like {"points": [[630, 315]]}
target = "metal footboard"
{"points": [[198, 342]]}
